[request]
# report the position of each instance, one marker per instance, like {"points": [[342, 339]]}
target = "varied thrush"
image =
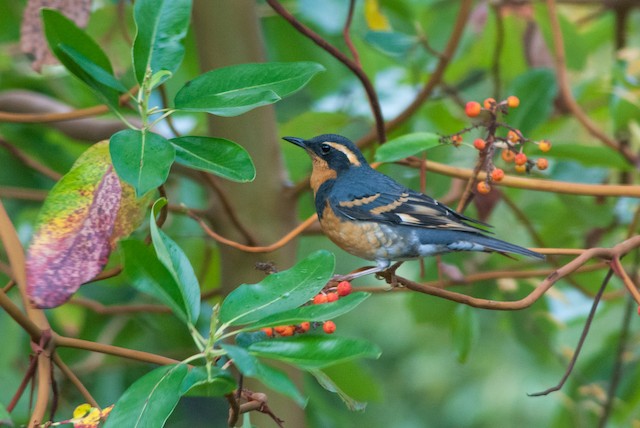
{"points": [[374, 217]]}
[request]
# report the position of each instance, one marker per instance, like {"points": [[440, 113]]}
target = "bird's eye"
{"points": [[325, 148]]}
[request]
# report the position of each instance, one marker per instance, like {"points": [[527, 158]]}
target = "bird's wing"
{"points": [[398, 205]]}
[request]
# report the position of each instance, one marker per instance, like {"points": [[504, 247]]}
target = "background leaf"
{"points": [[161, 24], [218, 156], [406, 145], [279, 291], [234, 90], [197, 383], [536, 89], [141, 158]]}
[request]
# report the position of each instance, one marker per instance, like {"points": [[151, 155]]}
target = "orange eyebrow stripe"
{"points": [[359, 202], [392, 206], [353, 159]]}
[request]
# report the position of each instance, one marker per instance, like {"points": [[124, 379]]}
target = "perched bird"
{"points": [[374, 217]]}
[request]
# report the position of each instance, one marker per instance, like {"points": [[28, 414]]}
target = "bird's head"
{"points": [[331, 151]]}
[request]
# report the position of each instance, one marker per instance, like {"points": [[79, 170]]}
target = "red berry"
{"points": [[305, 326], [483, 187], [544, 145], [329, 327], [513, 101], [288, 331], [489, 103], [521, 159], [344, 288], [513, 137], [332, 296], [479, 143], [508, 156], [497, 174], [472, 109], [542, 164], [268, 331], [320, 299]]}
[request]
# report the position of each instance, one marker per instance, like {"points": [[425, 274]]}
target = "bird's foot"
{"points": [[389, 275]]}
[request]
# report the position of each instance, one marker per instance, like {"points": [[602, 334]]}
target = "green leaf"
{"points": [[5, 417], [161, 27], [311, 352], [407, 145], [150, 400], [464, 328], [327, 383], [278, 292], [177, 263], [391, 43], [150, 276], [197, 383], [536, 89], [215, 155], [234, 90], [588, 155], [81, 55], [275, 379], [141, 158], [324, 312]]}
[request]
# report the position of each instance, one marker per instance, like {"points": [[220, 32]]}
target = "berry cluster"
{"points": [[511, 145], [330, 295]]}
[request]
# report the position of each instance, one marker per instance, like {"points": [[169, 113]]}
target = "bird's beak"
{"points": [[297, 141]]}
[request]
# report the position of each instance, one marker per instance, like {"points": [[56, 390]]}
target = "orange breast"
{"points": [[362, 239]]}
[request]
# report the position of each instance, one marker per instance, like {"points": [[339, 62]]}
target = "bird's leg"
{"points": [[389, 274], [382, 265]]}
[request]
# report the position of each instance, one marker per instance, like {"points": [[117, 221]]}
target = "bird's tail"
{"points": [[503, 247]]}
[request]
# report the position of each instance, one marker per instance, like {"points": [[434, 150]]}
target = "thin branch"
{"points": [[567, 96], [617, 367], [348, 62], [253, 249], [23, 193], [581, 341], [347, 35], [29, 161], [75, 380], [101, 309], [617, 267]]}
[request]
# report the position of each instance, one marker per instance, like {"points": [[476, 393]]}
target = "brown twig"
{"points": [[346, 34], [583, 337], [567, 96], [101, 309], [75, 380], [348, 62], [30, 162], [23, 193]]}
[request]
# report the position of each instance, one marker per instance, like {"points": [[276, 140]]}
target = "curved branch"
{"points": [[348, 62]]}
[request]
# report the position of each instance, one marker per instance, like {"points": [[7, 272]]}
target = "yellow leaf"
{"points": [[376, 21], [81, 411]]}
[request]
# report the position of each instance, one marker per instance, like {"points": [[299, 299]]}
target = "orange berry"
{"points": [[513, 137], [542, 164], [288, 331], [305, 326], [483, 187], [508, 156], [513, 101], [520, 159], [472, 108], [332, 296], [489, 103], [479, 143], [329, 327], [280, 329], [268, 331], [344, 288], [497, 174], [544, 145], [521, 168], [456, 140], [320, 299]]}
